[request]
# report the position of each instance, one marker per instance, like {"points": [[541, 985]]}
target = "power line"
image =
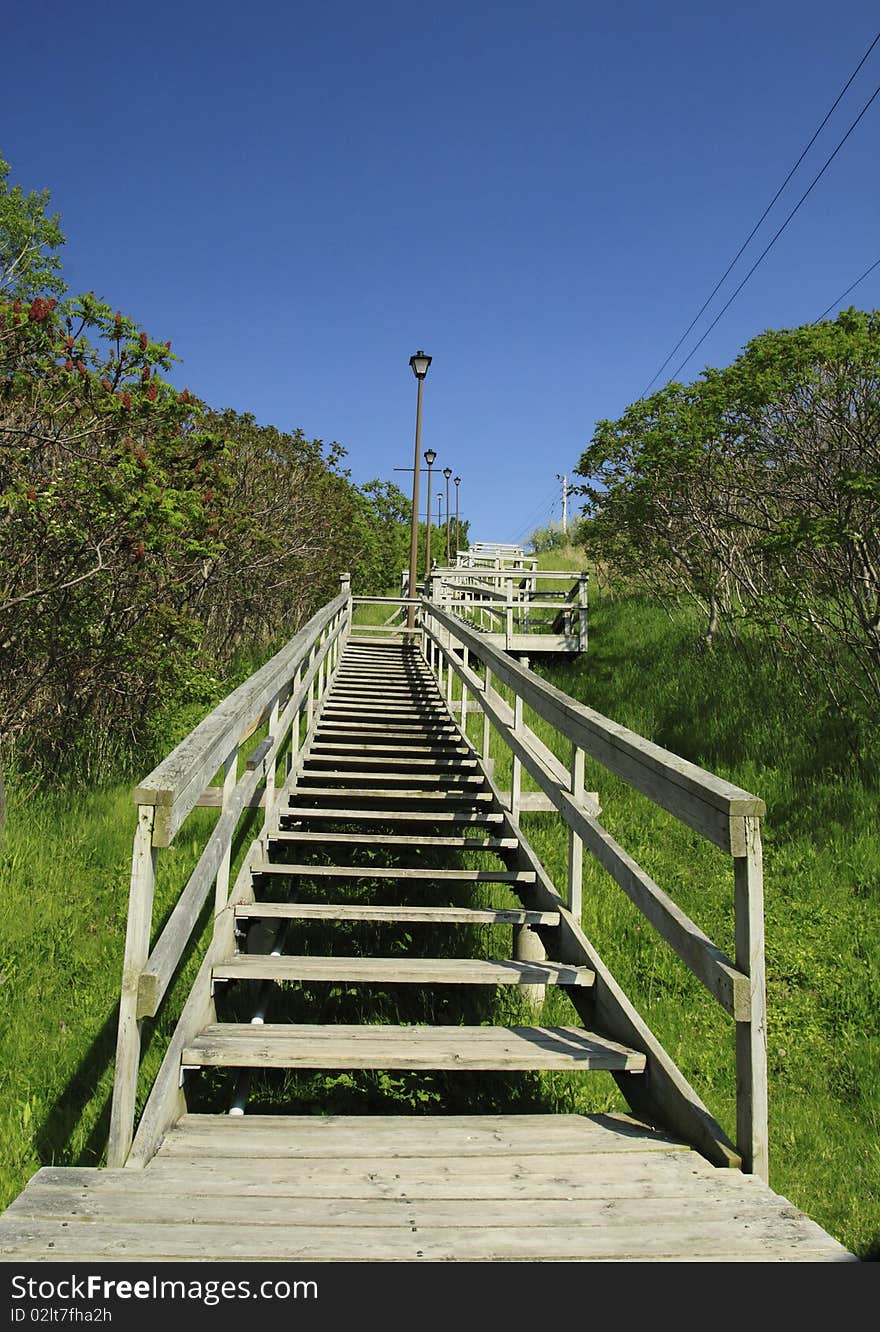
{"points": [[760, 220], [775, 238], [843, 295], [534, 513]]}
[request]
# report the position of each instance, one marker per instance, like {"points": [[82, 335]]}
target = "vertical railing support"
{"points": [[516, 765], [487, 686], [751, 1036], [575, 845], [582, 612], [221, 883], [137, 948]]}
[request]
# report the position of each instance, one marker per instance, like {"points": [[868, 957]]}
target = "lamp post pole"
{"points": [[457, 481], [430, 455], [419, 364], [447, 472]]}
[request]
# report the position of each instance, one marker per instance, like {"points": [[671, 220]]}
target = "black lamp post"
{"points": [[419, 363], [447, 472], [430, 456], [457, 481]]}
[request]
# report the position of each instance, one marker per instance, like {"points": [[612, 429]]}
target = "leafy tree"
{"points": [[756, 492], [28, 240]]}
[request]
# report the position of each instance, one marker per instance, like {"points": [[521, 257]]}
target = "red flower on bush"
{"points": [[82, 370], [151, 393], [139, 551], [145, 373], [68, 364], [105, 384], [143, 341], [41, 309], [126, 401]]}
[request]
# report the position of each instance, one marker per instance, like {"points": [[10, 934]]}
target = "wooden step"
{"points": [[442, 915], [369, 747], [424, 737], [351, 761], [401, 970], [476, 818], [511, 1049], [383, 793], [394, 839], [358, 777], [397, 872]]}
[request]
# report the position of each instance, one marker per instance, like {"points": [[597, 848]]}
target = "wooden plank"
{"points": [[477, 818], [751, 1036], [291, 1045], [441, 915], [343, 1214], [451, 776], [705, 802], [408, 1243], [450, 1136], [405, 872], [351, 762], [394, 839], [384, 793], [400, 970], [378, 747]]}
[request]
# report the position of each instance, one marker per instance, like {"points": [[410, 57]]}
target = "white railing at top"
{"points": [[287, 689]]}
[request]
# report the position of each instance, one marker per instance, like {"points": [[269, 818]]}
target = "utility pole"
{"points": [[564, 480]]}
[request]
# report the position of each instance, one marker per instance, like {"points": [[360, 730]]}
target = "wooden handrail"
{"points": [[292, 683], [174, 787], [724, 813]]}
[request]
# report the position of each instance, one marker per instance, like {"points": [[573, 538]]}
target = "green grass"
{"points": [[742, 718]]}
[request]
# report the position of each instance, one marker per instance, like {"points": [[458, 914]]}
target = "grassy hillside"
{"points": [[742, 718]]}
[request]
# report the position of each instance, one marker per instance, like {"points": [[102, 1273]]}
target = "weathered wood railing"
{"points": [[284, 695], [510, 605], [726, 815]]}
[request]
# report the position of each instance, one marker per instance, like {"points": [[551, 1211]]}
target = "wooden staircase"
{"points": [[387, 755], [387, 840]]}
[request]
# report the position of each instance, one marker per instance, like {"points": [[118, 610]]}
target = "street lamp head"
{"points": [[430, 456], [420, 363], [457, 480], [447, 472]]}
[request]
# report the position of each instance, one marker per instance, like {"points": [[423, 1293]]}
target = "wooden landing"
{"points": [[488, 1188]]}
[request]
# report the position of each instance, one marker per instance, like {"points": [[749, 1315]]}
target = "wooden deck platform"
{"points": [[487, 1188]]}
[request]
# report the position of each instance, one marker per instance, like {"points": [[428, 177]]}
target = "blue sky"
{"points": [[539, 195]]}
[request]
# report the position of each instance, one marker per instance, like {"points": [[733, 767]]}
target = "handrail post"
{"points": [[221, 883], [516, 765], [487, 687], [582, 612], [137, 949], [271, 766], [464, 693], [508, 617], [751, 1035], [575, 844]]}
